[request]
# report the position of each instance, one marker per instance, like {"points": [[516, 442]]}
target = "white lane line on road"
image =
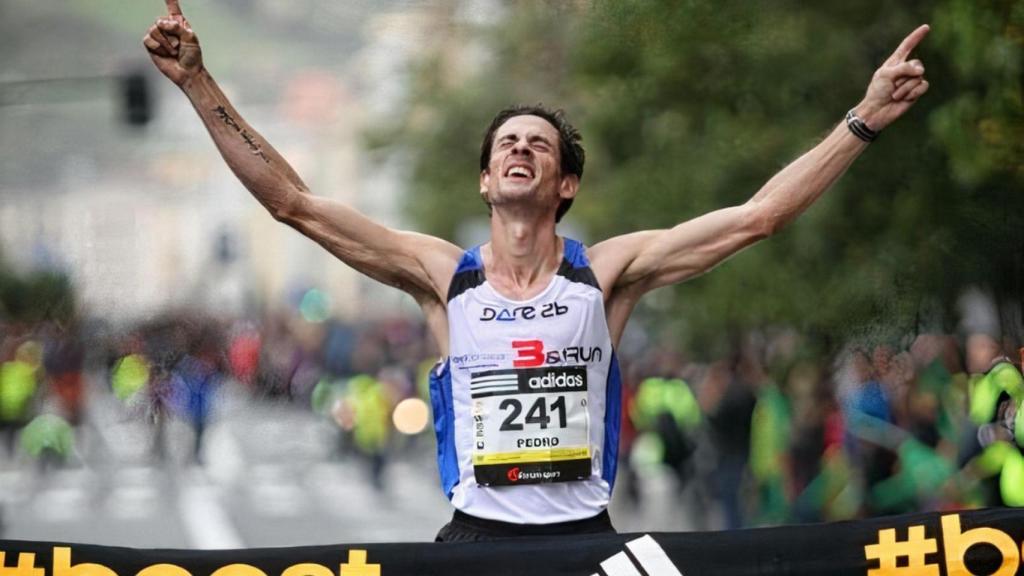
{"points": [[13, 486], [224, 455], [273, 491], [133, 493], [61, 504], [206, 522]]}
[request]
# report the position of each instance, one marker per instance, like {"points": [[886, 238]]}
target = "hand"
{"points": [[895, 86], [173, 47]]}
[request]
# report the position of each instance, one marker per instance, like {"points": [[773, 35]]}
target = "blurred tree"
{"points": [[686, 107], [36, 296]]}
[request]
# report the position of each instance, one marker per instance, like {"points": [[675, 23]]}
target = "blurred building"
{"points": [[149, 219]]}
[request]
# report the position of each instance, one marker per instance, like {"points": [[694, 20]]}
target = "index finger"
{"points": [[901, 53], [173, 8]]}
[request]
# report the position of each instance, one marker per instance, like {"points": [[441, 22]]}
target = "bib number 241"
{"points": [[540, 413]]}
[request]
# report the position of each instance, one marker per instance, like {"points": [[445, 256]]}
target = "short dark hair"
{"points": [[569, 147]]}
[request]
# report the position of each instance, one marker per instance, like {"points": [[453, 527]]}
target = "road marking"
{"points": [[224, 455], [12, 486], [61, 504], [206, 522]]}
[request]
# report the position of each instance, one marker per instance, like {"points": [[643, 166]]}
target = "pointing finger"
{"points": [[901, 70], [909, 43], [173, 8]]}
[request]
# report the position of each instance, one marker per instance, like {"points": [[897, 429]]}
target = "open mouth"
{"points": [[519, 172]]}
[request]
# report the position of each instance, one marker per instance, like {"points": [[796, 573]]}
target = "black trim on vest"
{"points": [[469, 279], [582, 275], [465, 280]]}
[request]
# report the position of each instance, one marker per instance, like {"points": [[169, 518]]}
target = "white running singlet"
{"points": [[527, 404]]}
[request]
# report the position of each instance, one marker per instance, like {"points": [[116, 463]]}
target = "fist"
{"points": [[173, 47], [895, 86]]}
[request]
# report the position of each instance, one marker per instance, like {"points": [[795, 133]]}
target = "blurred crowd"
{"points": [[772, 435], [767, 434], [175, 368]]}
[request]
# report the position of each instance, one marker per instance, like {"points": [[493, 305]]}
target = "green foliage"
{"points": [[35, 297], [689, 106]]}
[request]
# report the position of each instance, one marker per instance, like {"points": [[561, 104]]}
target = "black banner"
{"points": [[933, 544]]}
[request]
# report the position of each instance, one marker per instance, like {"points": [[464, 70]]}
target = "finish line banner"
{"points": [[934, 544]]}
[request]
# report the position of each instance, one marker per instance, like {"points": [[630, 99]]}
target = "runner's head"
{"points": [[569, 156]]}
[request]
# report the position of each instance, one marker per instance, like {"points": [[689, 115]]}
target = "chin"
{"points": [[519, 192]]}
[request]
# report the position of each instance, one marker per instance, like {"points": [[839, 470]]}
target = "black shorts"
{"points": [[466, 528]]}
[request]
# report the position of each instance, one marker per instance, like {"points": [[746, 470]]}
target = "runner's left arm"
{"points": [[636, 263]]}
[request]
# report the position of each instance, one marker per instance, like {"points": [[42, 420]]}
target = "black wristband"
{"points": [[859, 128]]}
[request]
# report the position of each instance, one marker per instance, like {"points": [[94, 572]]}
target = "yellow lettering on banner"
{"points": [[357, 565], [307, 570], [26, 565], [238, 570], [957, 543], [163, 570], [888, 551], [62, 565]]}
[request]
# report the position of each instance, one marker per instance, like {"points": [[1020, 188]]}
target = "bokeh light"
{"points": [[315, 306], [410, 416]]}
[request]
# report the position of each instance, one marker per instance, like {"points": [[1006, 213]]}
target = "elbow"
{"points": [[288, 207], [282, 215], [773, 225], [762, 223]]}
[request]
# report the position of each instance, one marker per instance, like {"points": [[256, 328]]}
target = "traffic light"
{"points": [[136, 99]]}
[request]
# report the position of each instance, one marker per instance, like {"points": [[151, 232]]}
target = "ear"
{"points": [[568, 187], [485, 183]]}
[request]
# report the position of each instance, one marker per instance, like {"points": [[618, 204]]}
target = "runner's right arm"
{"points": [[416, 263]]}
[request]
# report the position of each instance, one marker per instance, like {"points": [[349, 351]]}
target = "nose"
{"points": [[521, 147]]}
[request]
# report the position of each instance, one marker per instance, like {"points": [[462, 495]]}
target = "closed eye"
{"points": [[540, 143], [506, 142]]}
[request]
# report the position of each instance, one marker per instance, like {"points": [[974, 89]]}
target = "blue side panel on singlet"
{"points": [[444, 426], [575, 253], [612, 419], [471, 260], [468, 275], [576, 267]]}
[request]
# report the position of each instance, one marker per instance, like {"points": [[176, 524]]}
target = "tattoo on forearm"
{"points": [[249, 139]]}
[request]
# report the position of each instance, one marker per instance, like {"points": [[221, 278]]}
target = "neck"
{"points": [[524, 247]]}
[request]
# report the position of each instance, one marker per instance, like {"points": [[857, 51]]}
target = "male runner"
{"points": [[526, 399]]}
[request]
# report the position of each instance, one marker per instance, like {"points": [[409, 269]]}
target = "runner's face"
{"points": [[525, 162]]}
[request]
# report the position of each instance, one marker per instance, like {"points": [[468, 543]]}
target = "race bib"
{"points": [[530, 425]]}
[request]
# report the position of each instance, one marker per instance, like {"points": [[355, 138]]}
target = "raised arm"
{"points": [[635, 263], [419, 264]]}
